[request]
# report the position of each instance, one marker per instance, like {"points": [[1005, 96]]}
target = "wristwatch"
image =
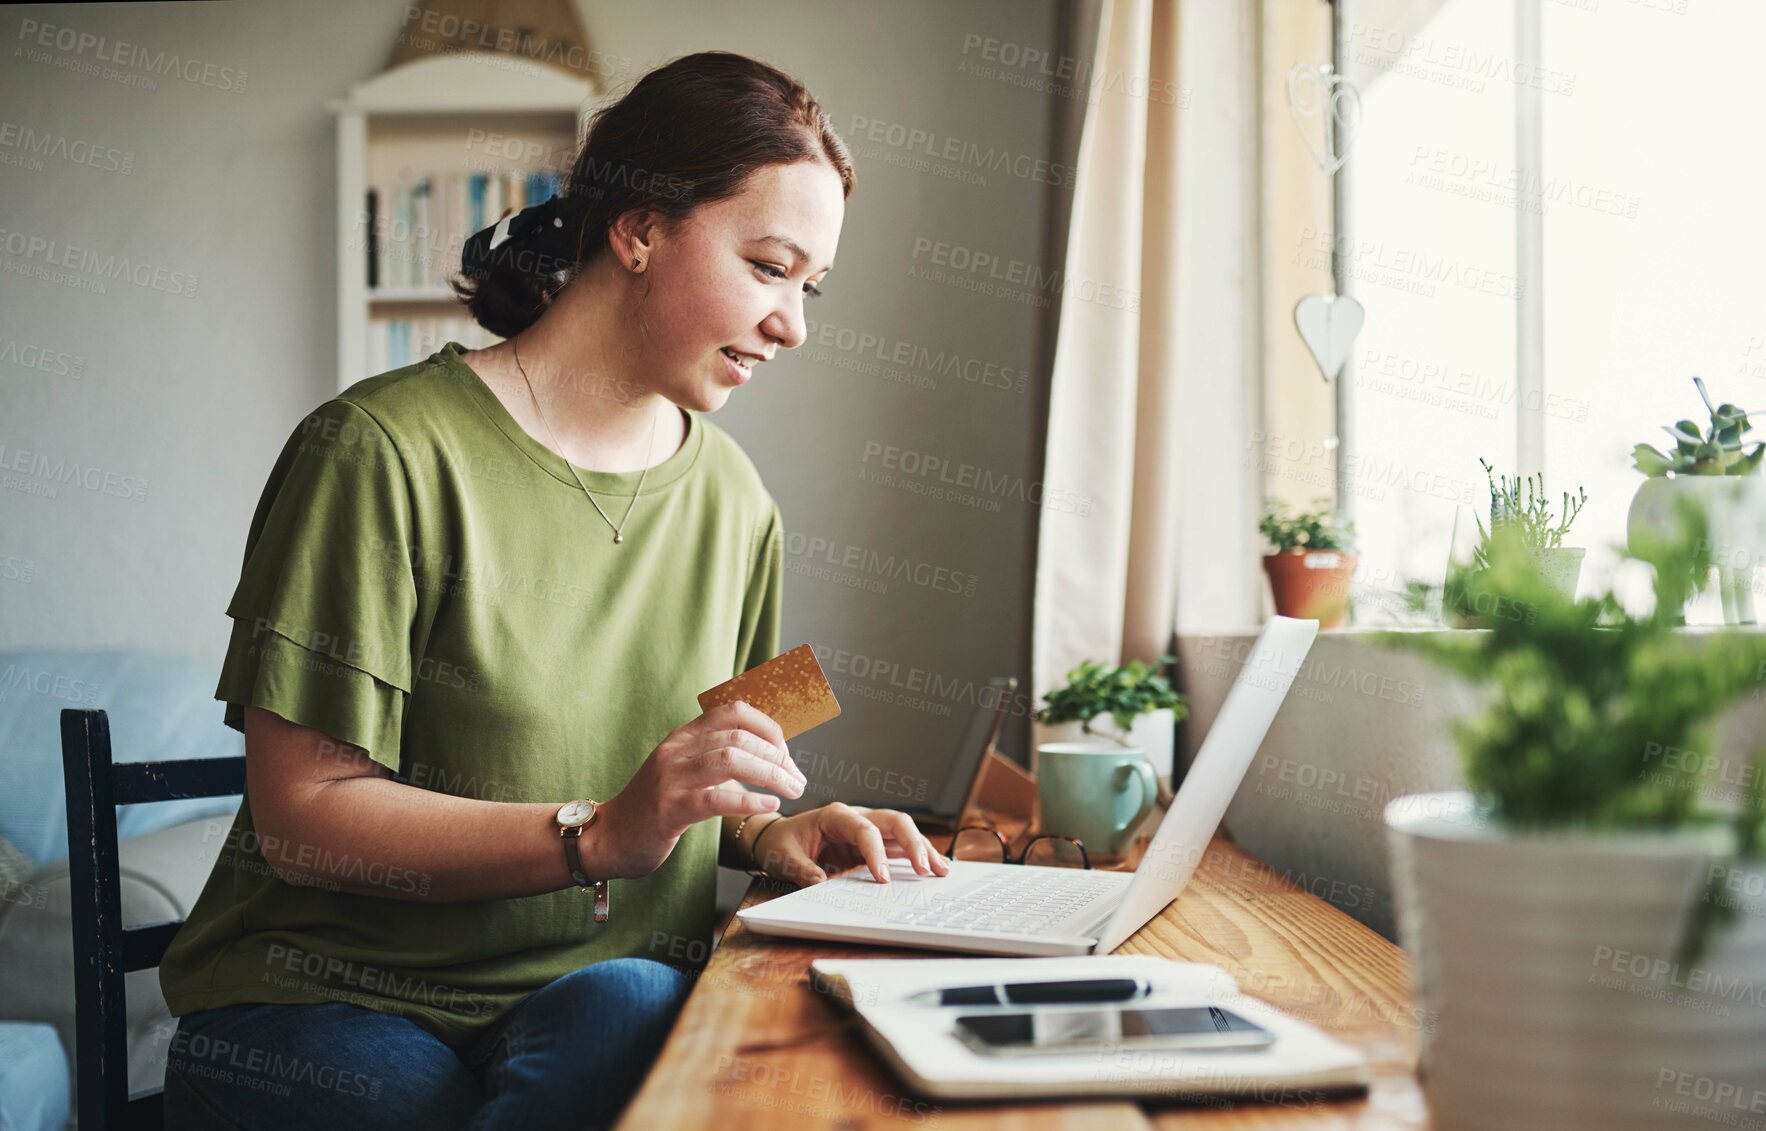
{"points": [[573, 818]]}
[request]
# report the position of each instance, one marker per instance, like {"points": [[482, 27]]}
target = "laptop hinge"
{"points": [[1098, 922]]}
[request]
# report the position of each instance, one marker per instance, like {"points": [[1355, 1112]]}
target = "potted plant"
{"points": [[1716, 468], [1310, 562], [1574, 919], [1131, 705], [1529, 517], [1718, 450], [1539, 529]]}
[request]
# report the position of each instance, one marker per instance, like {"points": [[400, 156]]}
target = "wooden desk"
{"points": [[1282, 943]]}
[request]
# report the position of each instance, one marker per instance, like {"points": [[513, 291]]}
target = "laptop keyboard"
{"points": [[1022, 901]]}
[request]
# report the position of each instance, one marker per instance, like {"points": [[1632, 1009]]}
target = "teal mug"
{"points": [[1098, 794]]}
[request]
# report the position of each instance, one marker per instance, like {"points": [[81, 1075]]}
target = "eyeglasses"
{"points": [[968, 843]]}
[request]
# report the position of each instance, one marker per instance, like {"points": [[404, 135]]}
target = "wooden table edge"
{"points": [[1283, 943]]}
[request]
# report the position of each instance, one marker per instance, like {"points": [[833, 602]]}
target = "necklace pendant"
{"points": [[618, 537]]}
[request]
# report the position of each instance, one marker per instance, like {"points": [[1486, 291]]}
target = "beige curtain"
{"points": [[1153, 389]]}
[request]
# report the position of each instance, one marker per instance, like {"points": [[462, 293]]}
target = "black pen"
{"points": [[1098, 990]]}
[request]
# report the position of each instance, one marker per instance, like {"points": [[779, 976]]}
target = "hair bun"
{"points": [[535, 240]]}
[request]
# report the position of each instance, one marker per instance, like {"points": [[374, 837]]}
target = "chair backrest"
{"points": [[104, 949]]}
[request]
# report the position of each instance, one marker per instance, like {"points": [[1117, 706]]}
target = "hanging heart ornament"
{"points": [[1315, 91], [1328, 325]]}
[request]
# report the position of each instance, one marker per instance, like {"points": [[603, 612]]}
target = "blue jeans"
{"points": [[569, 1055]]}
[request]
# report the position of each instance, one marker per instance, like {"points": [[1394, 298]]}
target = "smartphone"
{"points": [[1198, 1029]]}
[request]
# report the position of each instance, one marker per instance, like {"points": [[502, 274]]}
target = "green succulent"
{"points": [[1124, 693], [1317, 529], [1719, 450], [1527, 517], [1531, 518]]}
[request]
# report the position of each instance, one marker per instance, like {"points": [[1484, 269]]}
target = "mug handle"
{"points": [[1149, 783]]}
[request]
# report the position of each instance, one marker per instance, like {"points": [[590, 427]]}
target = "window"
{"points": [[1549, 242], [1429, 249]]}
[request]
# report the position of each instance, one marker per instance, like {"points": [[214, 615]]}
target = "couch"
{"points": [[160, 707]]}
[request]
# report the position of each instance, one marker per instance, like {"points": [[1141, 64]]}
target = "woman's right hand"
{"points": [[676, 787]]}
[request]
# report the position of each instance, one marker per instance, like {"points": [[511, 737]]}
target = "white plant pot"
{"points": [[1152, 732], [1735, 506], [1543, 964], [1560, 565]]}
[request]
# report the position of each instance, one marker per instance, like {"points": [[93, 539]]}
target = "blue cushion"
{"points": [[34, 1084], [160, 707]]}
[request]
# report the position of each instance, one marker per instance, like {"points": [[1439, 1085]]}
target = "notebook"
{"points": [[918, 1040]]}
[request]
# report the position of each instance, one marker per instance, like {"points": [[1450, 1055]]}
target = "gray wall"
{"points": [[1364, 725], [173, 405]]}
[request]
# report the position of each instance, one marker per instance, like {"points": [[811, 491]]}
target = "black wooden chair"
{"points": [[104, 949]]}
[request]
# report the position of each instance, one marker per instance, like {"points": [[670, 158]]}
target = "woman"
{"points": [[480, 595]]}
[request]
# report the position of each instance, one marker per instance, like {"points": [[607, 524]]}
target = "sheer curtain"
{"points": [[1153, 393]]}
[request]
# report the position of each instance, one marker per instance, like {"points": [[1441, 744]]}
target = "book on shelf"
{"points": [[373, 239], [417, 228], [397, 342]]}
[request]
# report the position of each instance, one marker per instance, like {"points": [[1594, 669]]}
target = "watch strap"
{"points": [[574, 861]]}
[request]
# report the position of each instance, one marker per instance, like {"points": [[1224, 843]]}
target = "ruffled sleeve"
{"points": [[327, 597]]}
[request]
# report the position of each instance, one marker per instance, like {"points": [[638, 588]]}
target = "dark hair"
{"points": [[688, 133]]}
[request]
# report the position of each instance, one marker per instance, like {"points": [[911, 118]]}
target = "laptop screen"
{"points": [[942, 800]]}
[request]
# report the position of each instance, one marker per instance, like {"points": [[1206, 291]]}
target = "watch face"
{"points": [[575, 813]]}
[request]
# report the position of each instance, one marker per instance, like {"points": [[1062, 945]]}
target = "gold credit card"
{"points": [[789, 688]]}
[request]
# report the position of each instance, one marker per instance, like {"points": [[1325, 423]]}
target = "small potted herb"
{"points": [[1132, 705], [1716, 468], [1527, 515], [1580, 920], [1310, 562]]}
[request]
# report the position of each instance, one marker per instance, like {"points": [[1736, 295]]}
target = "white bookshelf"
{"points": [[441, 116]]}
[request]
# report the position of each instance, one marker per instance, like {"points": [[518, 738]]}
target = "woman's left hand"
{"points": [[803, 848]]}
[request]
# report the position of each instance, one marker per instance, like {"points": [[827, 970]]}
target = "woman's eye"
{"points": [[775, 272]]}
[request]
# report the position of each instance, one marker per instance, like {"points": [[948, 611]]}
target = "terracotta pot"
{"points": [[1311, 584]]}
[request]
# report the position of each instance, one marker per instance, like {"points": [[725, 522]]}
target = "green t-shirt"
{"points": [[424, 579]]}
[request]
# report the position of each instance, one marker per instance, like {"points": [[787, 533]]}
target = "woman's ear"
{"points": [[633, 238]]}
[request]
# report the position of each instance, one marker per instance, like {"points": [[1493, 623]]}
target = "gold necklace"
{"points": [[618, 537]]}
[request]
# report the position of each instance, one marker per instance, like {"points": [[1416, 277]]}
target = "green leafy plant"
{"points": [[1520, 508], [1718, 450], [1530, 517], [1317, 529], [1124, 693], [1583, 691]]}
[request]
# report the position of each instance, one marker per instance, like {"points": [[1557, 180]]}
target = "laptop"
{"points": [[1033, 910], [943, 811]]}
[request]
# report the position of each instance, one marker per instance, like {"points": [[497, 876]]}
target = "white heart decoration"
{"points": [[1315, 90], [1328, 325]]}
